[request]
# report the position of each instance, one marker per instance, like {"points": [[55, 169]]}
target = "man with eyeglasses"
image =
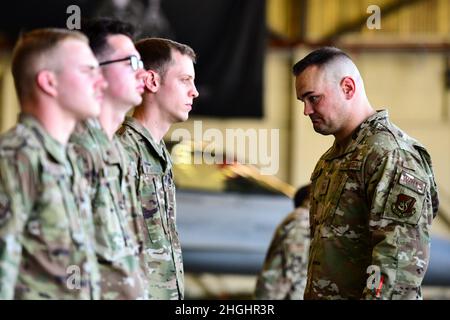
{"points": [[105, 163], [135, 62], [169, 93]]}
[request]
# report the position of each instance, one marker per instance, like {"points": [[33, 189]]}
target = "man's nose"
{"points": [[307, 109], [101, 81], [194, 93], [140, 74]]}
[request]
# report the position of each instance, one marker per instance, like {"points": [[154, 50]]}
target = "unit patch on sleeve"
{"points": [[404, 206]]}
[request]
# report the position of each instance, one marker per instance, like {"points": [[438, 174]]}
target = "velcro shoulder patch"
{"points": [[412, 182], [404, 206]]}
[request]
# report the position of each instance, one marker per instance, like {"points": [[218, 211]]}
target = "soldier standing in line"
{"points": [[103, 160], [168, 97], [374, 195], [46, 227], [283, 276]]}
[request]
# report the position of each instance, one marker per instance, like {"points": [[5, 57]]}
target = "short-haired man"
{"points": [[46, 227], [373, 192], [167, 99], [105, 164]]}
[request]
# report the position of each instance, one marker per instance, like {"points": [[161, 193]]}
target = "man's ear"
{"points": [[152, 81], [46, 81], [348, 87]]}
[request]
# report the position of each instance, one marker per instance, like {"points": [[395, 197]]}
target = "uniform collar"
{"points": [[53, 147], [108, 148], [358, 135], [139, 128]]}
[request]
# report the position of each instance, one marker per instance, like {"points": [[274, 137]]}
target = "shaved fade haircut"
{"points": [[334, 63], [319, 57], [33, 53]]}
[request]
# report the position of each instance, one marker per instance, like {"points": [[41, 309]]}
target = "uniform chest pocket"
{"points": [[326, 195], [150, 186], [109, 196], [333, 197], [169, 194], [131, 193], [132, 174], [54, 237], [113, 237], [334, 192], [55, 221]]}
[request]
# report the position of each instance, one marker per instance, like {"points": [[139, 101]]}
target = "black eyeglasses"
{"points": [[135, 62]]}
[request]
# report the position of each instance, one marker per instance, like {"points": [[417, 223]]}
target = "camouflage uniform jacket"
{"points": [[371, 212], [105, 165], [46, 227], [284, 272], [156, 190]]}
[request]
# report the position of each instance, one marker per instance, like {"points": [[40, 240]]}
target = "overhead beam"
{"points": [[356, 24]]}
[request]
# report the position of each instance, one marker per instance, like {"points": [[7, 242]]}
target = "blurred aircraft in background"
{"points": [[227, 213]]}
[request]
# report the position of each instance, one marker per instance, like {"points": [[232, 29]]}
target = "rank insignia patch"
{"points": [[404, 207]]}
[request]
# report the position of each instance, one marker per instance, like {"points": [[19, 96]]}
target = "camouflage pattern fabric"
{"points": [[154, 183], [46, 227], [372, 206], [104, 164], [283, 276]]}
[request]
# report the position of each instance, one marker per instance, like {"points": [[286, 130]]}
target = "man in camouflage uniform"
{"points": [[373, 192], [168, 96], [283, 276], [46, 227], [105, 164]]}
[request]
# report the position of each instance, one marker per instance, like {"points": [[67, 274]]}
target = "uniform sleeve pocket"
{"points": [[406, 198]]}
